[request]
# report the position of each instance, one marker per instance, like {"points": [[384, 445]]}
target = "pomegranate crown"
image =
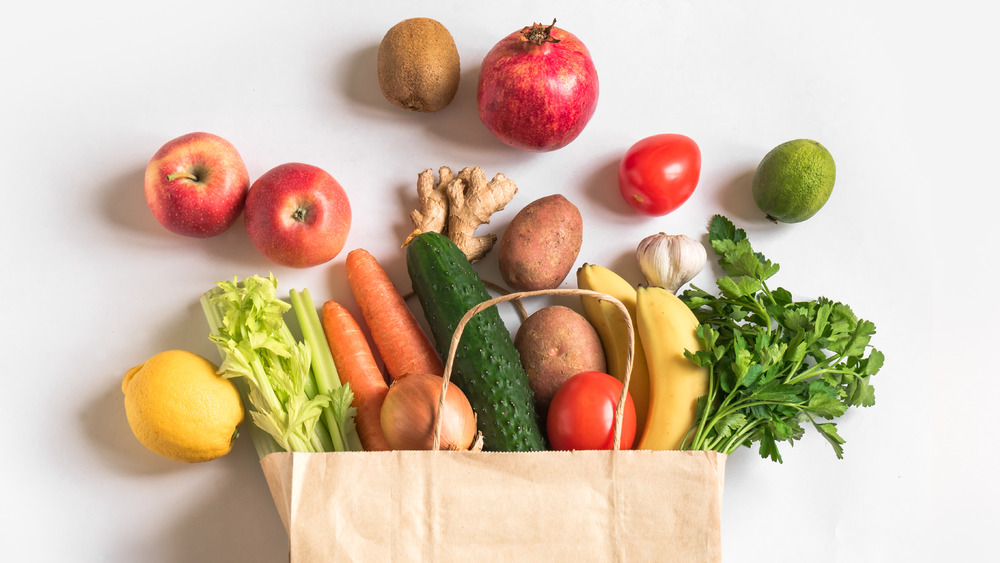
{"points": [[538, 33]]}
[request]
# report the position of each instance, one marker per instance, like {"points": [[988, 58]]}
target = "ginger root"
{"points": [[458, 203]]}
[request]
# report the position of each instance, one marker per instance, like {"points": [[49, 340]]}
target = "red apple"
{"points": [[297, 215], [196, 185]]}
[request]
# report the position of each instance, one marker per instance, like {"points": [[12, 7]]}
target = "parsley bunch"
{"points": [[774, 363]]}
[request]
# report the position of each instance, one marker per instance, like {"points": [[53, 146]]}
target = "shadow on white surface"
{"points": [[358, 81], [457, 124], [226, 514], [125, 204], [234, 246], [406, 192], [124, 208], [103, 416], [735, 200], [236, 521], [601, 189], [104, 422]]}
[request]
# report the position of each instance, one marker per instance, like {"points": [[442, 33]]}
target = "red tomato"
{"points": [[582, 413], [659, 173]]}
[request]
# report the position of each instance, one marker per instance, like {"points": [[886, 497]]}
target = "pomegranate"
{"points": [[537, 88]]}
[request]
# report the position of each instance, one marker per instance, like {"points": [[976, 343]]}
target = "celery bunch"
{"points": [[290, 388]]}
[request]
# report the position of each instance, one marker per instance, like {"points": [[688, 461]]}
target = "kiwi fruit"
{"points": [[418, 66]]}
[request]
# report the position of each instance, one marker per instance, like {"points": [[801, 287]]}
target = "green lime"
{"points": [[794, 180]]}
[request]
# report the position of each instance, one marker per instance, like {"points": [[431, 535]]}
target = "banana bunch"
{"points": [[611, 328], [664, 384], [667, 328]]}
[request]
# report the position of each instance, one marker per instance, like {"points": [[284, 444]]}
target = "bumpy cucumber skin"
{"points": [[487, 365]]}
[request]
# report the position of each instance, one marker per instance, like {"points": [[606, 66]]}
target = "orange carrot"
{"points": [[401, 342], [356, 365]]}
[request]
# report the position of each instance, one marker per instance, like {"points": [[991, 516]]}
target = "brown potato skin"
{"points": [[541, 244], [556, 343], [418, 65]]}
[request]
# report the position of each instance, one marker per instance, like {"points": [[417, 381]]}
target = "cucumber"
{"points": [[487, 366]]}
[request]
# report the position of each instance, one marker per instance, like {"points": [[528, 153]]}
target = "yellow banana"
{"points": [[610, 326], [667, 327]]}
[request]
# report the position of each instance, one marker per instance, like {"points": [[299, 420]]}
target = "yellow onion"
{"points": [[408, 415]]}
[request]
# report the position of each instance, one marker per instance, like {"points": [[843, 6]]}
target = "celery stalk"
{"points": [[263, 443], [338, 415], [273, 368]]}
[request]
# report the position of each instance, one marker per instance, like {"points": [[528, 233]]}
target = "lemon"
{"points": [[794, 180], [180, 408]]}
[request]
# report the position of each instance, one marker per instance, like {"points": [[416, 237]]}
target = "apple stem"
{"points": [[182, 174]]}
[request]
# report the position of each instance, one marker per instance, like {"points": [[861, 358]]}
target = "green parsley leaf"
{"points": [[773, 362], [873, 363], [829, 431]]}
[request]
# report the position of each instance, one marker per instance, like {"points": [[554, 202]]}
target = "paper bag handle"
{"points": [[457, 335]]}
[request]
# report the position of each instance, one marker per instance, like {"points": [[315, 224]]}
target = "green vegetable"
{"points": [[487, 366], [774, 363], [338, 416], [290, 389]]}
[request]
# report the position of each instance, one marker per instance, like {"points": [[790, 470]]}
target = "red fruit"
{"points": [[537, 88], [196, 185], [659, 173], [297, 215], [582, 413]]}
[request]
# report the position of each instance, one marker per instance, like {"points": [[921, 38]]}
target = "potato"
{"points": [[540, 246], [418, 65], [555, 343]]}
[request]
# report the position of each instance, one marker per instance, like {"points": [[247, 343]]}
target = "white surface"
{"points": [[93, 285]]}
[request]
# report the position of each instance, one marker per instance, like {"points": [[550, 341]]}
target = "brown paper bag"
{"points": [[489, 506], [618, 505]]}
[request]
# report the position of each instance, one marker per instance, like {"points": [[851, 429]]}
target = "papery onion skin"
{"points": [[408, 415]]}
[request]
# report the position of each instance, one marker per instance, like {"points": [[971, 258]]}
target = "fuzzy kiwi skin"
{"points": [[418, 66]]}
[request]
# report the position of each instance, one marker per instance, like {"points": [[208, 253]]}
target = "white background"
{"points": [[93, 285]]}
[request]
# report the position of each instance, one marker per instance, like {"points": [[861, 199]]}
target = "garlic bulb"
{"points": [[670, 261]]}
